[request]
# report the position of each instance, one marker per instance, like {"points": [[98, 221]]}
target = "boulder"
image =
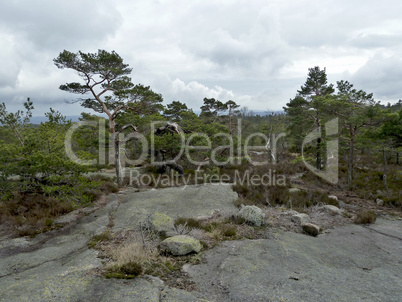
{"points": [[252, 214], [294, 190], [333, 210], [300, 218], [180, 245], [311, 229], [333, 197], [380, 202], [160, 222]]}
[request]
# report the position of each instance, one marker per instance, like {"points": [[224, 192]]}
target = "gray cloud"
{"points": [[254, 52], [48, 24], [382, 76]]}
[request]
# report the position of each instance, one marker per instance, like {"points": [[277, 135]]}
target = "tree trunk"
{"points": [[318, 146], [350, 160], [385, 169], [115, 140], [230, 121], [119, 170]]}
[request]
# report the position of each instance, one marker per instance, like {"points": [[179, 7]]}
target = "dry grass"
{"points": [[365, 217], [128, 252], [30, 214]]}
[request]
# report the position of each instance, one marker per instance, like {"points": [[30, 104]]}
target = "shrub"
{"points": [[31, 214], [128, 270], [305, 199], [109, 187], [262, 194], [190, 223], [228, 230], [365, 217], [105, 236], [131, 268]]}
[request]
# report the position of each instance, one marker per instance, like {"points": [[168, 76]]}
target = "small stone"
{"points": [[311, 229], [180, 245], [333, 197], [333, 210], [379, 202], [253, 215], [300, 218], [289, 213]]}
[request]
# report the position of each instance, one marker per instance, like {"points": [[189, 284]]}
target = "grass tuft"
{"points": [[365, 217]]}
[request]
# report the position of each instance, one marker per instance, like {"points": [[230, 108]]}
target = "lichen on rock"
{"points": [[253, 215], [160, 222], [180, 245]]}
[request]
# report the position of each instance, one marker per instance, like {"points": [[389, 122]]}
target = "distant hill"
{"points": [[395, 107], [75, 118], [42, 119]]}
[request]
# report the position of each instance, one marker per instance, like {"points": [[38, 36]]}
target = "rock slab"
{"points": [[351, 263]]}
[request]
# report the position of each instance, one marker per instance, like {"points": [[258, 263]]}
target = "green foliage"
{"points": [[306, 111], [211, 109], [16, 122], [128, 270], [105, 68], [89, 137], [37, 156], [104, 79], [175, 110], [95, 240], [392, 130], [316, 83]]}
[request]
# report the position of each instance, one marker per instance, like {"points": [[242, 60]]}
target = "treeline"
{"points": [[37, 158]]}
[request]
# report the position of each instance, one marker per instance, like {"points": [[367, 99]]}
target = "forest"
{"points": [[329, 139]]}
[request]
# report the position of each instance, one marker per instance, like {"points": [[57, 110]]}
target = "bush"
{"points": [[109, 187], [305, 199], [128, 270], [190, 223], [31, 214], [105, 236], [365, 217], [262, 194], [228, 230]]}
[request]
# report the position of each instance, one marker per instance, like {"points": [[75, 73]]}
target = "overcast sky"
{"points": [[255, 52]]}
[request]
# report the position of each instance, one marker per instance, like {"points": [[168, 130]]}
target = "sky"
{"points": [[254, 52]]}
